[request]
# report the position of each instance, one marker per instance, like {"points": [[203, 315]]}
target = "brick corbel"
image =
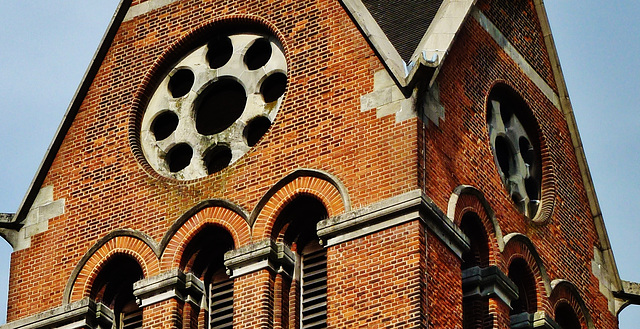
{"points": [[265, 254], [410, 206], [171, 284], [488, 282], [84, 313], [537, 320]]}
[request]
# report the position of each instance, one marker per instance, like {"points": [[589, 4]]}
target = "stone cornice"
{"points": [[488, 282], [84, 313], [413, 205], [265, 254]]}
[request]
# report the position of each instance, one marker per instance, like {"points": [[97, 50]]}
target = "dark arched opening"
{"points": [[475, 308], [204, 257], [304, 297], [114, 287], [521, 275]]}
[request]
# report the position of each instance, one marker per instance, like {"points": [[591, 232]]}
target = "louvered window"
{"points": [[221, 304], [314, 289], [132, 320]]}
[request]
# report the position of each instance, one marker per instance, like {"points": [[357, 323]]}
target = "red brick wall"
{"points": [[518, 21], [377, 281], [389, 278], [458, 152], [319, 126]]}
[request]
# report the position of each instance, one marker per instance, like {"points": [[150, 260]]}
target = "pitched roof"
{"points": [[404, 22]]}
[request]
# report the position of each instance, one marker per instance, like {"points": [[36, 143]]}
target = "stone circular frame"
{"points": [[516, 149], [213, 105]]}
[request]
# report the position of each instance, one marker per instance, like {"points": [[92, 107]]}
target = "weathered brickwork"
{"points": [[457, 152], [518, 20], [392, 261]]}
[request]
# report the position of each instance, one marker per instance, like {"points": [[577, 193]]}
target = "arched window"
{"points": [[521, 275], [204, 257], [114, 287], [306, 302], [566, 317], [475, 308]]}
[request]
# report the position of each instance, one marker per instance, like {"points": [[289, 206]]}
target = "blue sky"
{"points": [[46, 46]]}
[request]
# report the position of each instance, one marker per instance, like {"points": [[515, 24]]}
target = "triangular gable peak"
{"points": [[411, 34]]}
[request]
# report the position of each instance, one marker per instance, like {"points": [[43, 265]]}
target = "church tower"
{"points": [[317, 164]]}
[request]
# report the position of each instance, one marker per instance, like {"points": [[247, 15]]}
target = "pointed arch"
{"points": [[329, 192], [131, 243]]}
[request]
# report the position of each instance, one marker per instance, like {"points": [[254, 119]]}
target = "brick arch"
{"points": [[518, 246], [567, 292], [128, 245], [467, 198], [223, 217], [326, 192]]}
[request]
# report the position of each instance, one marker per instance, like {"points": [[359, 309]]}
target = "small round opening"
{"points": [[531, 186], [526, 150], [255, 129], [164, 125], [273, 87], [181, 82], [217, 158], [258, 54], [219, 106], [505, 114], [219, 52], [504, 154], [179, 157]]}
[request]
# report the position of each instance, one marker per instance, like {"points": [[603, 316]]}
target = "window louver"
{"points": [[132, 320], [221, 305], [314, 290]]}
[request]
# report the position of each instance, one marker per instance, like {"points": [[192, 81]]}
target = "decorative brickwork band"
{"points": [[537, 320], [266, 254], [394, 211], [171, 284], [84, 313]]}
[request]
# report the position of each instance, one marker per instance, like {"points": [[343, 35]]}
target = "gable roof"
{"points": [[403, 22], [406, 45]]}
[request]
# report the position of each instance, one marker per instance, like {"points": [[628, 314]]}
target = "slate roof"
{"points": [[404, 22]]}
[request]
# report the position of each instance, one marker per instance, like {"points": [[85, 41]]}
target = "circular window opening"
{"points": [[258, 54], [217, 158], [164, 125], [219, 106], [181, 82], [255, 129], [219, 51], [225, 91], [514, 141], [273, 87], [179, 157]]}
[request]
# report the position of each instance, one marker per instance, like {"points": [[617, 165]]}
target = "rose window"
{"points": [[213, 105], [515, 152]]}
